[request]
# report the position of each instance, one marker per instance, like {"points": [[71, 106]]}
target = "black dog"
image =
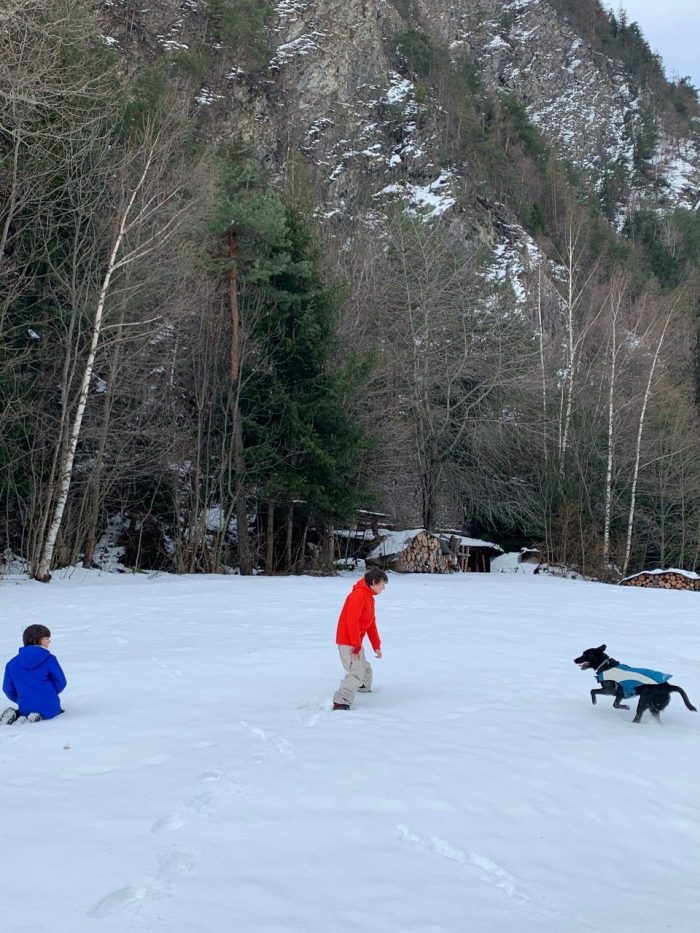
{"points": [[622, 681]]}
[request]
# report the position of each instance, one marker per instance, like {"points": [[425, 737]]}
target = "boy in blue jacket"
{"points": [[33, 679]]}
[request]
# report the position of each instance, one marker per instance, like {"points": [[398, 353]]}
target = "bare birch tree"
{"points": [[57, 104], [147, 209], [616, 297], [638, 446], [575, 330]]}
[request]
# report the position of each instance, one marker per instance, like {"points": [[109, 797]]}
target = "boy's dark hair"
{"points": [[33, 634], [375, 575]]}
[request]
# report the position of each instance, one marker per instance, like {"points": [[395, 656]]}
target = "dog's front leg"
{"points": [[619, 695], [601, 690], [608, 689]]}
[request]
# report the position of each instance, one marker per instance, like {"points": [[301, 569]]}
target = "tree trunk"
{"points": [[245, 564], [640, 429], [609, 467], [543, 370], [288, 540], [570, 355], [300, 561], [329, 548], [42, 572], [270, 538], [235, 318]]}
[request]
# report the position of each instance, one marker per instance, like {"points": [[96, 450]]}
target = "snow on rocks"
{"points": [[515, 256], [424, 201]]}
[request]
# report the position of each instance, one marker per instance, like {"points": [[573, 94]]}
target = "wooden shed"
{"points": [[472, 555], [419, 551], [414, 550], [671, 579], [354, 543]]}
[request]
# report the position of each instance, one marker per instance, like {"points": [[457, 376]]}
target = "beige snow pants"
{"points": [[358, 673]]}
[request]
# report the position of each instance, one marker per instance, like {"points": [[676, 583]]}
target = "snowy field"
{"points": [[199, 783]]}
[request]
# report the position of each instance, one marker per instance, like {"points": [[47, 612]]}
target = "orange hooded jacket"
{"points": [[357, 618]]}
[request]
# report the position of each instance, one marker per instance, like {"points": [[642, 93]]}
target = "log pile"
{"points": [[665, 579], [423, 553]]}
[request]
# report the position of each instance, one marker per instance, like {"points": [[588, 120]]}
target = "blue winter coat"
{"points": [[631, 677], [34, 680]]}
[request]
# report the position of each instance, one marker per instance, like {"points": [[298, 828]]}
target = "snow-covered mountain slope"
{"points": [[371, 136]]}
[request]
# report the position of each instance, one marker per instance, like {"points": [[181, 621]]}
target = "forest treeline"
{"points": [[195, 366]]}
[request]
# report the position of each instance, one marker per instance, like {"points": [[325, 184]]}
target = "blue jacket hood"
{"points": [[32, 656]]}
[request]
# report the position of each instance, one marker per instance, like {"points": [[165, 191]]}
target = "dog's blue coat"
{"points": [[631, 677]]}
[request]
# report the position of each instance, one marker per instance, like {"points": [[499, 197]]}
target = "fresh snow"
{"points": [[424, 201], [690, 574], [199, 782], [395, 541]]}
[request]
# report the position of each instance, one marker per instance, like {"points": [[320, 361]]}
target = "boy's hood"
{"points": [[32, 656]]}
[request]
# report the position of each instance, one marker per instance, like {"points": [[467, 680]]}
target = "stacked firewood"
{"points": [[423, 554], [668, 580]]}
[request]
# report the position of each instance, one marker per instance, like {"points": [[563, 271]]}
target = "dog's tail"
{"points": [[684, 695]]}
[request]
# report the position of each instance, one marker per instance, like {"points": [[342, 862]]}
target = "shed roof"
{"points": [[396, 541]]}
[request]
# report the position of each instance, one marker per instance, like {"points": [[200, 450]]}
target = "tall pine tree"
{"points": [[297, 402]]}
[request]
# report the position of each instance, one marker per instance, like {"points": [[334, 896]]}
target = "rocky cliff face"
{"points": [[581, 100], [332, 95]]}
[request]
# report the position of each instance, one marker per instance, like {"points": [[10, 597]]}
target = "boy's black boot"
{"points": [[341, 706], [9, 716]]}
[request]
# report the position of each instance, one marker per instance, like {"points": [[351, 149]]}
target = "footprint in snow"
{"points": [[174, 863], [172, 673], [270, 738], [200, 802], [117, 900], [488, 869], [309, 713], [208, 776], [168, 824]]}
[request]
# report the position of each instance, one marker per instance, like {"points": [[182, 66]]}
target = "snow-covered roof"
{"points": [[684, 573], [396, 541], [472, 542]]}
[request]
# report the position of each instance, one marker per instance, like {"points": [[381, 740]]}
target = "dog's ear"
{"points": [[602, 648]]}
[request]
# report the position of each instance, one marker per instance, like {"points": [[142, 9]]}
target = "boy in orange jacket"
{"points": [[357, 620]]}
